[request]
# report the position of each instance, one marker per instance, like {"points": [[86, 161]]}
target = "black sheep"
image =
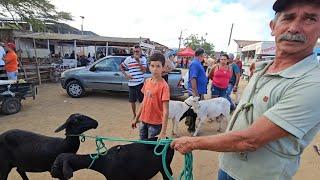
{"points": [[31, 152], [123, 162]]}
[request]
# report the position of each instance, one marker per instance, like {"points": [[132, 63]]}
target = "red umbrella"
{"points": [[186, 52]]}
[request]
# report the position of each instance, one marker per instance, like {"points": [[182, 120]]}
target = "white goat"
{"points": [[212, 109], [178, 108]]}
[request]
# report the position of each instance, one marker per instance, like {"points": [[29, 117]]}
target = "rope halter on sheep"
{"points": [[102, 150]]}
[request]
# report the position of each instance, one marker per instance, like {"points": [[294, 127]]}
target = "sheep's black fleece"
{"points": [[124, 162], [31, 152]]}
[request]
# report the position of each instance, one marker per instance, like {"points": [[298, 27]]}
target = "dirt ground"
{"points": [[52, 107]]}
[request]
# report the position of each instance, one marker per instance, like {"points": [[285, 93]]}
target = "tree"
{"points": [[194, 42], [34, 12]]}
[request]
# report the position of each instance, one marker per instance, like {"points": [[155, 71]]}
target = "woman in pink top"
{"points": [[220, 75]]}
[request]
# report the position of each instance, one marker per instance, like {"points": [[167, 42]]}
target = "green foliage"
{"points": [[32, 11], [194, 42]]}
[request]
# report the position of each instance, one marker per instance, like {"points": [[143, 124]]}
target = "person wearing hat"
{"points": [[11, 62], [277, 116]]}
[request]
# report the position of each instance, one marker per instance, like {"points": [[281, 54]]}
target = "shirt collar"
{"points": [[197, 59], [296, 70], [300, 68]]}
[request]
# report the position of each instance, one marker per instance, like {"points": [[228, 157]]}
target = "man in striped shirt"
{"points": [[137, 66]]}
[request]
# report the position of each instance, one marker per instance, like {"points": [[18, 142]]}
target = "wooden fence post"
{"points": [[37, 63]]}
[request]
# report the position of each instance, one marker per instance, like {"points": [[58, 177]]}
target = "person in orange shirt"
{"points": [[154, 109], [11, 62]]}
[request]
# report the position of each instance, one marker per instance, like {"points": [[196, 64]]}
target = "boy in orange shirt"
{"points": [[154, 109]]}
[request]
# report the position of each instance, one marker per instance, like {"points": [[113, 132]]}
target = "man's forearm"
{"points": [[194, 86], [237, 79], [235, 141], [246, 140], [142, 68], [122, 70], [124, 73]]}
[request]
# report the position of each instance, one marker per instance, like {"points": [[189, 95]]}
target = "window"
{"points": [[107, 65]]}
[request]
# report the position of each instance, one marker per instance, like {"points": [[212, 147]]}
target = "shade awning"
{"points": [[186, 52]]}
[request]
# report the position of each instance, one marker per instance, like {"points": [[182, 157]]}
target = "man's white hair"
{"points": [[276, 17]]}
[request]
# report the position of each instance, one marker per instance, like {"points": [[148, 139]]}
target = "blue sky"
{"points": [[163, 20]]}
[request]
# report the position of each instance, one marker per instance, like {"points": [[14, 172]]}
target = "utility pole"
{"points": [[180, 38], [82, 17], [230, 36]]}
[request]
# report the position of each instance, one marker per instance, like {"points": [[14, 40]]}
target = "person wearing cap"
{"points": [[11, 62], [277, 116]]}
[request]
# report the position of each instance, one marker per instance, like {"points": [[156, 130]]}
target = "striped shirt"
{"points": [[134, 70]]}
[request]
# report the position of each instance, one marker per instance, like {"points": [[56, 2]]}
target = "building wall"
{"points": [[26, 49]]}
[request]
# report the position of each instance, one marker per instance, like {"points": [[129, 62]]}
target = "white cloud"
{"points": [[163, 20]]}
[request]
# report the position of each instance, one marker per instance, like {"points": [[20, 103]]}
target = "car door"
{"points": [[107, 75], [124, 86]]}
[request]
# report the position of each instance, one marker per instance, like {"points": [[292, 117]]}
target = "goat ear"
{"points": [[60, 128], [67, 170]]}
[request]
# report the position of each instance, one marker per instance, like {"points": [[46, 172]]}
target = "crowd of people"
{"points": [[224, 74], [153, 94], [281, 98], [9, 60], [277, 116], [82, 59]]}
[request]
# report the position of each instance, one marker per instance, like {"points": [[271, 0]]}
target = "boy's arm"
{"points": [[139, 112], [122, 67], [137, 119], [165, 115]]}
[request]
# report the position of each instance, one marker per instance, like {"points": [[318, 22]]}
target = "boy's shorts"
{"points": [[135, 93], [149, 130]]}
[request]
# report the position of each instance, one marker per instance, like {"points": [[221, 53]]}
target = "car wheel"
{"points": [[75, 89], [11, 105]]}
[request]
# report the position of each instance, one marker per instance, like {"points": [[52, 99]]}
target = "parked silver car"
{"points": [[104, 74]]}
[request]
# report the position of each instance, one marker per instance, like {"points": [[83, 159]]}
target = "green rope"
{"points": [[100, 145], [187, 169]]}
